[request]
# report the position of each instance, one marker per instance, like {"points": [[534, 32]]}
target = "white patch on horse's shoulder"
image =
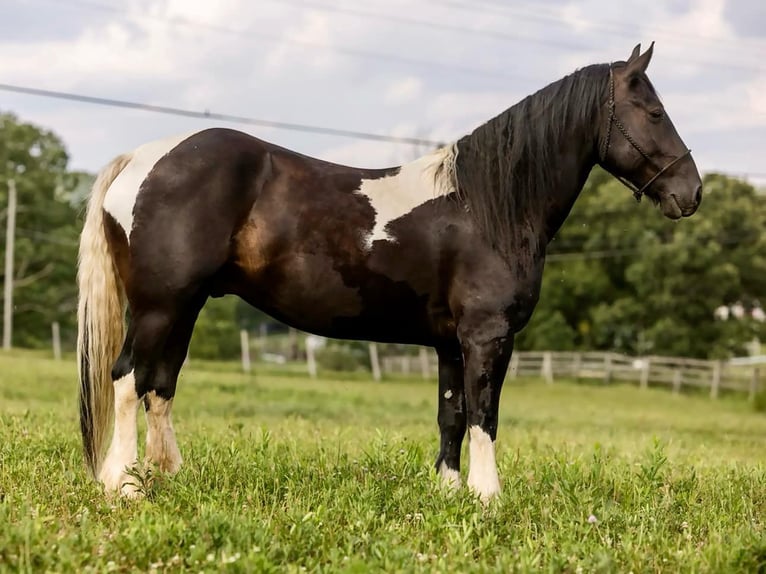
{"points": [[414, 184], [448, 394], [121, 196], [482, 472]]}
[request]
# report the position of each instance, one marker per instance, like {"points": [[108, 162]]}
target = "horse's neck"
{"points": [[571, 176], [520, 176]]}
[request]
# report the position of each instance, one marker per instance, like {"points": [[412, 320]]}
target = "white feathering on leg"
{"points": [[161, 445], [123, 452], [482, 473], [449, 476]]}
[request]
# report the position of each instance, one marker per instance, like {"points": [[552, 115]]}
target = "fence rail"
{"points": [[738, 375]]}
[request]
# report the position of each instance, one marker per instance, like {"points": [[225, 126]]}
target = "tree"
{"points": [[46, 233], [624, 278]]}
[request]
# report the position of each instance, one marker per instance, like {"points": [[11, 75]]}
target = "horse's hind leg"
{"points": [[161, 446], [147, 367], [123, 450]]}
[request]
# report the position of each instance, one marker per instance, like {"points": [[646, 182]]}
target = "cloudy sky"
{"points": [[426, 68]]}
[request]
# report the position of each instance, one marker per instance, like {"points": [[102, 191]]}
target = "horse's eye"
{"points": [[657, 114]]}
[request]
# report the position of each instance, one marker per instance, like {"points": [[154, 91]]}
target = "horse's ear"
{"points": [[640, 63]]}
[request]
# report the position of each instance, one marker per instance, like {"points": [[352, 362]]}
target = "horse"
{"points": [[446, 251]]}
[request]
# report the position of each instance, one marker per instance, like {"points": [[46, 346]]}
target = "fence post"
{"points": [[547, 368], [374, 361], [425, 364], [753, 384], [646, 368], [244, 343], [10, 231], [292, 344], [677, 380], [56, 334], [263, 330], [311, 363], [514, 365], [607, 368], [577, 367], [715, 383]]}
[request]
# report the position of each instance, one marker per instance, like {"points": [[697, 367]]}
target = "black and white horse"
{"points": [[446, 251]]}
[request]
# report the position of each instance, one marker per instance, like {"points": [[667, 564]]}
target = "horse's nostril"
{"points": [[698, 195]]}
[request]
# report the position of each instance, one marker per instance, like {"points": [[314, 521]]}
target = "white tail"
{"points": [[100, 321]]}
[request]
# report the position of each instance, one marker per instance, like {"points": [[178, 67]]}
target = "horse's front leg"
{"points": [[487, 343], [452, 419]]}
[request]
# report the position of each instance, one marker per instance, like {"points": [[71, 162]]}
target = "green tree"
{"points": [[47, 227], [624, 278]]}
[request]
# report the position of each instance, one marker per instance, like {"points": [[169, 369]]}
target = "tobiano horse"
{"points": [[446, 251]]}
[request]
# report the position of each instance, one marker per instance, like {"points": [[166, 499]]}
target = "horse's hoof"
{"points": [[449, 478], [119, 482]]}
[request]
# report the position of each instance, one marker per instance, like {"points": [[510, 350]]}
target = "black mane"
{"points": [[504, 170]]}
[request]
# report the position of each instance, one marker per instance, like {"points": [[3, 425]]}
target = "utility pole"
{"points": [[10, 234]]}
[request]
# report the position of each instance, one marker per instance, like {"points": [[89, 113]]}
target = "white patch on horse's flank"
{"points": [[417, 182], [161, 445], [123, 452], [121, 196], [448, 394], [450, 476], [482, 472]]}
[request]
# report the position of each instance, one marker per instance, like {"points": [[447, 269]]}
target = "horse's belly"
{"points": [[312, 292]]}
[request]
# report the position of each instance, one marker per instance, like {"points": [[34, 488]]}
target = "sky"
{"points": [[431, 69]]}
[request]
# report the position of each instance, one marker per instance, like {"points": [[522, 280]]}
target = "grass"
{"points": [[283, 474]]}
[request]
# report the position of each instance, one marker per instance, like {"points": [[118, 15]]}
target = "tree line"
{"points": [[619, 276]]}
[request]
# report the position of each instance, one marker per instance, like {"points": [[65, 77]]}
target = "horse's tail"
{"points": [[100, 318]]}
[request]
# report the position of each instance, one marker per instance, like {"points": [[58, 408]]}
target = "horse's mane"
{"points": [[503, 170]]}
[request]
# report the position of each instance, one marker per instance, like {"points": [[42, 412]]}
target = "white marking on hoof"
{"points": [[449, 476], [121, 196], [448, 394], [161, 445], [417, 182], [482, 473], [123, 452]]}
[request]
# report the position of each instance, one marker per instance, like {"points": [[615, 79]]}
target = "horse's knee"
{"points": [[156, 377]]}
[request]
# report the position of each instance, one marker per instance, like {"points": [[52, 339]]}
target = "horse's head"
{"points": [[639, 144]]}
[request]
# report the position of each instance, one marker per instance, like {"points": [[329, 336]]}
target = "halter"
{"points": [[613, 119]]}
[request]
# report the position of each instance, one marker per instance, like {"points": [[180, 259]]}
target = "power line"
{"points": [[208, 115], [256, 35], [613, 26], [306, 128], [251, 35], [429, 24], [369, 54], [609, 28], [506, 36]]}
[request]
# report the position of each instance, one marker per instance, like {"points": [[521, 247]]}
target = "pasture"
{"points": [[284, 474]]}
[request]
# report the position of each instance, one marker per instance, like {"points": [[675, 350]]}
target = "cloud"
{"points": [[404, 90], [281, 61]]}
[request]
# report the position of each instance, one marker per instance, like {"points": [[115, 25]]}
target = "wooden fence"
{"points": [[738, 375]]}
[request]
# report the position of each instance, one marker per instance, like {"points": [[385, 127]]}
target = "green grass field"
{"points": [[283, 474]]}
